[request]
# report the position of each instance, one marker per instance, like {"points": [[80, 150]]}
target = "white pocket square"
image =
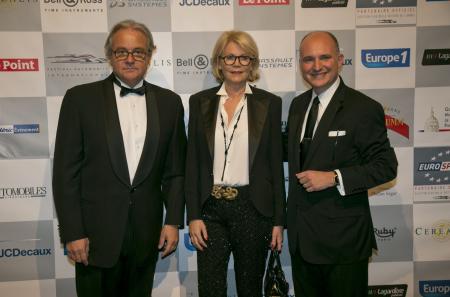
{"points": [[336, 133]]}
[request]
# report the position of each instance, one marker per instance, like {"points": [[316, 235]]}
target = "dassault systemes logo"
{"points": [[263, 2], [14, 65], [188, 244], [19, 129], [386, 58], [388, 290], [434, 288], [439, 231]]}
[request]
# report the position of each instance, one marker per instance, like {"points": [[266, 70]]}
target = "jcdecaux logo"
{"points": [[384, 58]]}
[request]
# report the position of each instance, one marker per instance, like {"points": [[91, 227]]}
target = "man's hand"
{"points": [[313, 180], [277, 238], [198, 234], [168, 240], [78, 250]]}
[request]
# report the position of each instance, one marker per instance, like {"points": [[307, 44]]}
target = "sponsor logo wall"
{"points": [[395, 51]]}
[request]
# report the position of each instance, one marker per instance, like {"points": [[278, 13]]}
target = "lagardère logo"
{"points": [[386, 58], [16, 65], [263, 2], [434, 288], [436, 57], [19, 129], [16, 252], [73, 3], [388, 291], [204, 3]]}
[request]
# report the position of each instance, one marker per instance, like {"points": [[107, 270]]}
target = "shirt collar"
{"points": [[138, 85], [326, 95], [223, 92]]}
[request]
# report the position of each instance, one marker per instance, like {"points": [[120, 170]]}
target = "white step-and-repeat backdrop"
{"points": [[396, 51]]}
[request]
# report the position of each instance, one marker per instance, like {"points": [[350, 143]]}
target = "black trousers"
{"points": [[126, 278], [329, 280], [233, 227]]}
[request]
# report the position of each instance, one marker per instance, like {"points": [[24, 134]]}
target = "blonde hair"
{"points": [[246, 42]]}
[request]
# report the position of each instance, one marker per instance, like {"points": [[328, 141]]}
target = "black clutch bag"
{"points": [[275, 284]]}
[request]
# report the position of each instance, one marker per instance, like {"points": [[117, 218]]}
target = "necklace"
{"points": [[227, 147]]}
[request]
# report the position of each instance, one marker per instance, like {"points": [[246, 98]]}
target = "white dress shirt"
{"points": [[132, 110], [237, 167], [324, 100]]}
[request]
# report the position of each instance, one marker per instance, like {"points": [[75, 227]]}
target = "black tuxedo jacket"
{"points": [[91, 185], [329, 228], [266, 180]]}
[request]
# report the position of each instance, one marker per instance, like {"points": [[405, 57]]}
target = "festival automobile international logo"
{"points": [[23, 192], [77, 65]]}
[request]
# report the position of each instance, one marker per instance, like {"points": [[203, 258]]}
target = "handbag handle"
{"points": [[274, 256]]}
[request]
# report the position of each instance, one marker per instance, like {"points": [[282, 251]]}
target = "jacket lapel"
{"points": [[298, 130], [113, 132], [151, 137], [327, 119], [209, 107], [257, 108]]}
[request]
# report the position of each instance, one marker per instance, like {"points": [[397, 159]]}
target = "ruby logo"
{"points": [[14, 65]]}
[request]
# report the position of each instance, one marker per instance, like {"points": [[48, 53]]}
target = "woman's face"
{"points": [[233, 71]]}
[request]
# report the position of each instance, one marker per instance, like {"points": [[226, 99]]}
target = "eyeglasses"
{"points": [[138, 54], [231, 59]]}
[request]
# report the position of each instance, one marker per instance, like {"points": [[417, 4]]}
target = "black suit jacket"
{"points": [[327, 227], [91, 185], [266, 180]]}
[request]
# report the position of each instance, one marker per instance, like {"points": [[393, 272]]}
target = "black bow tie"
{"points": [[124, 90]]}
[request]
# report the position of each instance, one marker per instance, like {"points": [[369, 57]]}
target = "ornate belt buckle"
{"points": [[227, 193]]}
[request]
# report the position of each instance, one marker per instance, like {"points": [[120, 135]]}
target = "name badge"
{"points": [[336, 133]]}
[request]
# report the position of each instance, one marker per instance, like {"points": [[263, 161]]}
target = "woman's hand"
{"points": [[277, 238], [198, 234]]}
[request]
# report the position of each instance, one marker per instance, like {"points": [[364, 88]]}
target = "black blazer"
{"points": [[329, 228], [266, 180], [91, 185]]}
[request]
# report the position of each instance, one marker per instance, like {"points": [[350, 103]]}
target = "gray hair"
{"points": [[133, 25]]}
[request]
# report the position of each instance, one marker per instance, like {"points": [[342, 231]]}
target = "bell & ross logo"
{"points": [[200, 62], [436, 57], [19, 65], [263, 2], [73, 3]]}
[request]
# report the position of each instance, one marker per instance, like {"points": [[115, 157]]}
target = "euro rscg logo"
{"points": [[386, 58]]}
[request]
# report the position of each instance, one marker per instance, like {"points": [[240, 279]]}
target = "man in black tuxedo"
{"points": [[337, 149], [119, 159]]}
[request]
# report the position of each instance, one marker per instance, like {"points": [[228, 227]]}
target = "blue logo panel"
{"points": [[386, 58], [434, 288]]}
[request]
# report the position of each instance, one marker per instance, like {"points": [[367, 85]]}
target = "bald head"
{"points": [[323, 34]]}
